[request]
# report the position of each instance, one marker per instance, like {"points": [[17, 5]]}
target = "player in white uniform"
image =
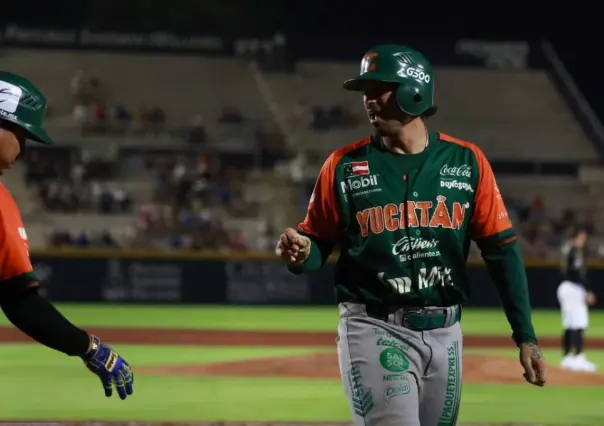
{"points": [[575, 298]]}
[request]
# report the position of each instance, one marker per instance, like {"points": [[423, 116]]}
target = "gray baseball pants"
{"points": [[403, 370]]}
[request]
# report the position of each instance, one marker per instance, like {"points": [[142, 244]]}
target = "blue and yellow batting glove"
{"points": [[111, 368]]}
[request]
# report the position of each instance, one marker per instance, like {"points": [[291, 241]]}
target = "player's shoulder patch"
{"points": [[339, 153]]}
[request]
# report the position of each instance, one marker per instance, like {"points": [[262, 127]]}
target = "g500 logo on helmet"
{"points": [[410, 68]]}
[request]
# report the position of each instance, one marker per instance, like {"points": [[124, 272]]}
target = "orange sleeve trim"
{"points": [[341, 152], [461, 142], [323, 217], [490, 214]]}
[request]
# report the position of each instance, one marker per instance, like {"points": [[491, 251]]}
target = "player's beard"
{"points": [[391, 127], [386, 128]]}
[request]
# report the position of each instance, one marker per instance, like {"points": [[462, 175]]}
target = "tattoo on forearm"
{"points": [[535, 352]]}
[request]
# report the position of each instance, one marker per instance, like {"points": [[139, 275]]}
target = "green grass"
{"points": [[233, 399], [41, 384], [30, 355], [524, 403], [553, 356], [475, 321]]}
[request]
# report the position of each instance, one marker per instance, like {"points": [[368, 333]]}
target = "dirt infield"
{"points": [[261, 338], [131, 423], [477, 368]]}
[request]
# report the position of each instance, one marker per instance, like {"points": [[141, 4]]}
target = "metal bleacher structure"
{"points": [[510, 115]]}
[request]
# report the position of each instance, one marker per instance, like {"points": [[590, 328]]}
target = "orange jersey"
{"points": [[14, 254]]}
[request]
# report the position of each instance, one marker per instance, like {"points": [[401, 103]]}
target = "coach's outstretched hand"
{"points": [[111, 368], [533, 363]]}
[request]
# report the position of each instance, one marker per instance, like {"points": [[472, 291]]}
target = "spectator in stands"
{"points": [[141, 118], [114, 200], [272, 145], [157, 119], [60, 238], [540, 246], [78, 86], [77, 172], [177, 242], [197, 134], [588, 222], [58, 196], [223, 190], [122, 117], [82, 240], [99, 117], [107, 240], [537, 213], [81, 115], [179, 170], [236, 241], [567, 220], [512, 206]]}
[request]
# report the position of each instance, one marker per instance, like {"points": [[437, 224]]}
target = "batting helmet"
{"points": [[23, 104], [393, 63]]}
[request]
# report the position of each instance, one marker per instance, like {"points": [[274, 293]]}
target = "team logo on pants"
{"points": [[394, 360]]}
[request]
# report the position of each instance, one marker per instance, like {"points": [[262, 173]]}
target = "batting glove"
{"points": [[111, 368]]}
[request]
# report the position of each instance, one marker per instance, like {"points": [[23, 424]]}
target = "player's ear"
{"points": [[21, 149]]}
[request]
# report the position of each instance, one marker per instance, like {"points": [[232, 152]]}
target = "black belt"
{"points": [[420, 319]]}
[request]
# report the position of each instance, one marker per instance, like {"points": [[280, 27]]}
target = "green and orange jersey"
{"points": [[404, 223], [15, 263]]}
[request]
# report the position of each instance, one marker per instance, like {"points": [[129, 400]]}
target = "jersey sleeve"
{"points": [[14, 255], [490, 219], [323, 217]]}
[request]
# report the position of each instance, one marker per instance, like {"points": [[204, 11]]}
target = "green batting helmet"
{"points": [[393, 63], [23, 104]]}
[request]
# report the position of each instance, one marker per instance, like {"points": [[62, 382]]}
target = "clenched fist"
{"points": [[292, 247], [533, 363]]}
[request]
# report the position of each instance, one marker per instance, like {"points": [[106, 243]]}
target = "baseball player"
{"points": [[22, 110], [575, 298], [404, 205]]}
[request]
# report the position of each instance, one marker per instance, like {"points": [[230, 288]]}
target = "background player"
{"points": [[403, 206], [575, 298], [22, 110]]}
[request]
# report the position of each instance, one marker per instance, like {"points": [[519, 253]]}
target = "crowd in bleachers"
{"points": [[82, 239], [193, 194], [94, 111], [540, 234], [191, 197], [332, 117], [67, 180]]}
